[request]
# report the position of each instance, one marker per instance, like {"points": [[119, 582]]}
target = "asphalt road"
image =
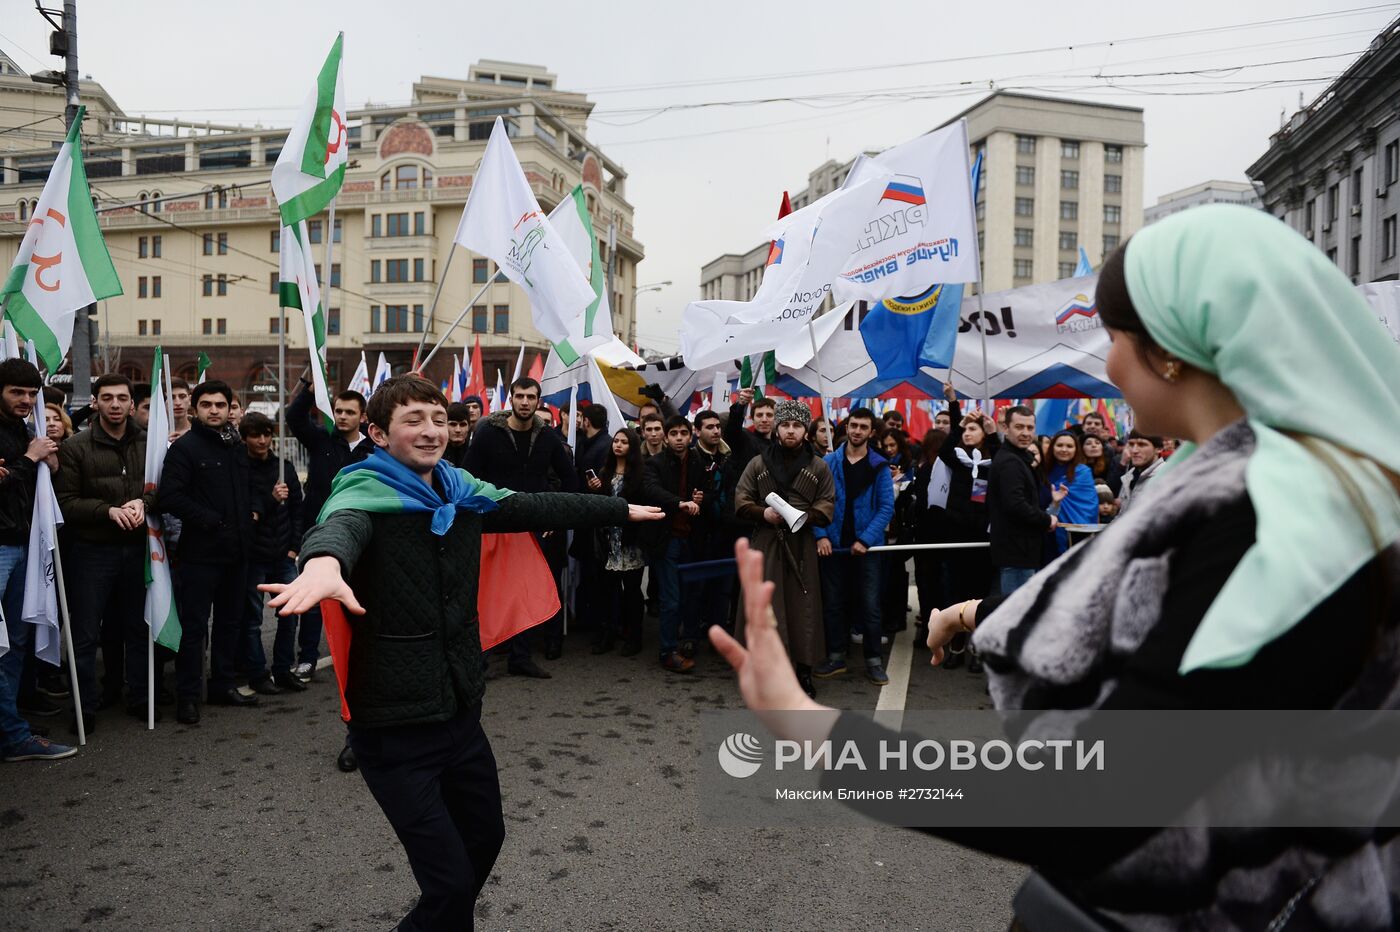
{"points": [[243, 822]]}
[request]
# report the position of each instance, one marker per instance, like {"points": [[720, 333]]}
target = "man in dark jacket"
{"points": [[275, 542], [416, 677], [100, 489], [517, 450], [1018, 523], [328, 452], [594, 441], [746, 444], [675, 481], [459, 433], [20, 456], [205, 484]]}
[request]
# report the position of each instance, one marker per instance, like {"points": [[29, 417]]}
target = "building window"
{"points": [[376, 227], [405, 177], [1113, 184], [1069, 149], [1112, 213], [479, 271], [1388, 237], [141, 247], [1392, 163], [223, 244], [141, 328], [384, 182], [1025, 145], [335, 274], [208, 244], [207, 326], [155, 327], [478, 318], [1355, 259], [339, 229], [141, 287], [223, 285], [222, 326], [276, 241], [155, 286], [500, 318], [1113, 155], [1069, 210], [1067, 269], [273, 280], [1069, 180], [398, 224], [1332, 255], [274, 324], [374, 271], [1069, 239], [1110, 243], [155, 247], [207, 284], [333, 321], [417, 318], [1356, 188], [313, 231], [1025, 174], [418, 270], [396, 270], [374, 318], [1334, 194], [1025, 206], [396, 318], [981, 210], [420, 223], [1022, 268], [1309, 215], [1024, 236]]}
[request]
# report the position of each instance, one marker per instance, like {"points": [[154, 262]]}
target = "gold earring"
{"points": [[1173, 370]]}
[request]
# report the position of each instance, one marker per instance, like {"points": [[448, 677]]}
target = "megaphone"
{"points": [[794, 518]]}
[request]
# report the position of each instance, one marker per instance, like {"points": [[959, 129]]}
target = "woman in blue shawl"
{"points": [[1068, 469]]}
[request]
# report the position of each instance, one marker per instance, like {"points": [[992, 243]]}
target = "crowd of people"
{"points": [[234, 513]]}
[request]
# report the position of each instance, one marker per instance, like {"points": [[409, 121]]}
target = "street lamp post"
{"points": [[642, 289]]}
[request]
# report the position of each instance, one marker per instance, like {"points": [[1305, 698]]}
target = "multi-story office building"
{"points": [[1057, 174], [1207, 192], [1332, 172], [188, 216]]}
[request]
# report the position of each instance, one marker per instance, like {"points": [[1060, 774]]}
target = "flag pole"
{"points": [[817, 365], [432, 308], [282, 380], [448, 332]]}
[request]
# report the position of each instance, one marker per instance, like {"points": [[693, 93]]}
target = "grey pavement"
{"points": [[243, 822]]}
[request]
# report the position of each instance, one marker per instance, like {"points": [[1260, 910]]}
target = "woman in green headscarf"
{"points": [[1257, 572]]}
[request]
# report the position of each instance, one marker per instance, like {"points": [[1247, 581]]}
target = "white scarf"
{"points": [[975, 460]]}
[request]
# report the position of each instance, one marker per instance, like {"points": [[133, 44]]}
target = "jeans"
{"points": [[14, 730], [109, 597], [848, 578], [438, 787], [680, 618], [222, 587], [1011, 578], [308, 640], [254, 658]]}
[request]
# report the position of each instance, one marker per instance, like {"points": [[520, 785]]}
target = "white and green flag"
{"points": [[300, 290], [593, 327], [312, 163], [160, 594], [62, 264]]}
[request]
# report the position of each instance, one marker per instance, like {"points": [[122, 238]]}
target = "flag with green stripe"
{"points": [[62, 264], [160, 592], [311, 166], [298, 290], [592, 328], [767, 372]]}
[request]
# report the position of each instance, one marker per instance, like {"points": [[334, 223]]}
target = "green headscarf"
{"points": [[1236, 293]]}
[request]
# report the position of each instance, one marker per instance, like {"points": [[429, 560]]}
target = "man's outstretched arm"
{"points": [[559, 511]]}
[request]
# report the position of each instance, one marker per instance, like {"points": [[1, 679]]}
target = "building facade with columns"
{"points": [[1057, 174], [190, 221]]}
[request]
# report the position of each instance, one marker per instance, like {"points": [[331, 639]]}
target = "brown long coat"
{"points": [[799, 612]]}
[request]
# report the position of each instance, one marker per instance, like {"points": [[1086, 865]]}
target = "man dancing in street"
{"points": [[399, 545]]}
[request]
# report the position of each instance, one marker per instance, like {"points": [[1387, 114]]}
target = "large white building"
{"points": [[1207, 192]]}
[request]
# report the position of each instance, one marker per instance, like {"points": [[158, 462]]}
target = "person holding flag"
{"points": [[397, 545]]}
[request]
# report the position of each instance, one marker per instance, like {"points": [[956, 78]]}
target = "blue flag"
{"points": [[1051, 414], [1084, 268]]}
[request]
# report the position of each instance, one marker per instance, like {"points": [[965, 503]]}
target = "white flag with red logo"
{"points": [[312, 163]]}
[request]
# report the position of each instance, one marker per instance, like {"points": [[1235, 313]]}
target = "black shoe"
{"points": [[39, 706], [138, 712], [346, 761], [54, 685], [687, 649], [89, 724], [164, 697], [805, 681], [604, 643], [631, 647], [952, 661], [232, 697], [187, 712], [528, 668], [554, 649], [265, 686], [289, 682]]}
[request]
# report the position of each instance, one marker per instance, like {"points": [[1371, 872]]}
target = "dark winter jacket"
{"points": [[664, 486], [97, 472], [537, 462], [967, 519], [279, 531], [1018, 524], [722, 471], [745, 444], [592, 453], [17, 486], [416, 652], [205, 484], [327, 453]]}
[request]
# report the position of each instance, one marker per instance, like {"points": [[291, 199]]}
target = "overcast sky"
{"points": [[706, 180]]}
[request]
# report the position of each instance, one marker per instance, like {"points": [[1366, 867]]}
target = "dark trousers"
{"points": [[253, 658], [851, 601], [221, 587], [622, 596], [894, 591], [438, 788], [931, 577], [556, 555], [108, 599], [680, 609]]}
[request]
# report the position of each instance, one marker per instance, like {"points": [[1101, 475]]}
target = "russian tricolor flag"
{"points": [[906, 193]]}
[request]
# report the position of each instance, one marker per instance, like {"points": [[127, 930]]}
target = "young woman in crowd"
{"points": [[1068, 471], [617, 548], [1104, 468], [1207, 311], [57, 426], [895, 447]]}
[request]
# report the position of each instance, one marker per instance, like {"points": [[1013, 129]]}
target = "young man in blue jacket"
{"points": [[864, 507]]}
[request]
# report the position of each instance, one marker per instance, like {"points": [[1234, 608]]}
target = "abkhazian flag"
{"points": [[204, 363], [592, 328], [62, 264], [160, 594], [311, 166], [504, 222], [40, 607], [300, 291]]}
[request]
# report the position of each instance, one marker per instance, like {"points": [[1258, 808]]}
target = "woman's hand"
{"points": [[948, 391], [594, 483], [1058, 494], [644, 513], [943, 625]]}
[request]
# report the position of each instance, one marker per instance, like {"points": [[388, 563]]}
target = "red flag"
{"points": [[515, 592], [537, 368], [785, 207], [476, 382]]}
